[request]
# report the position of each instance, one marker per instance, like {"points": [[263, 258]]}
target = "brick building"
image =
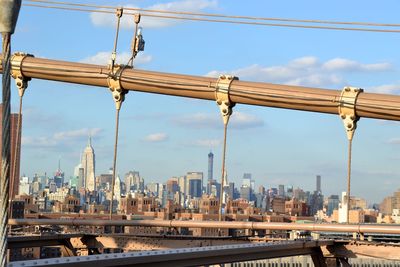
{"points": [[15, 158]]}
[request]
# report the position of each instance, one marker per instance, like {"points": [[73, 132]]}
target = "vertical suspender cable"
{"points": [[22, 83], [225, 105], [114, 52], [115, 161], [221, 194], [134, 47], [5, 153], [347, 112], [348, 179], [117, 99]]}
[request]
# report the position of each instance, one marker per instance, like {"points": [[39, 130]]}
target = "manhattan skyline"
{"points": [[175, 134]]}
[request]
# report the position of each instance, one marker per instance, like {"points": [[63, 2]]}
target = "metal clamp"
{"points": [[16, 72], [136, 18], [347, 109], [114, 84], [222, 96]]}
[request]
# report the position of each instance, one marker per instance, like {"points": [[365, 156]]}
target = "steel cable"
{"points": [[220, 15], [243, 22], [5, 153], [221, 194], [348, 179], [114, 161]]}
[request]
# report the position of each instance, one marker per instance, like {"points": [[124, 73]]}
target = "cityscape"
{"points": [[254, 134], [193, 192]]}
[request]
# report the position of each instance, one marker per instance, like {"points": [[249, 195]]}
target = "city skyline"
{"points": [[277, 146], [80, 173]]}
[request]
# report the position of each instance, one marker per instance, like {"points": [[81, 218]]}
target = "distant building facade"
{"points": [[15, 158]]}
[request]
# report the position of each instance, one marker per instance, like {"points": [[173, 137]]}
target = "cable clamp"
{"points": [[119, 12], [16, 72], [347, 109], [114, 84], [224, 103]]}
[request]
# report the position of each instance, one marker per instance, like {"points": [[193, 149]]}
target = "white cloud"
{"points": [[103, 58], [38, 141], [76, 134], [156, 137], [210, 143], [238, 120], [304, 62], [60, 138], [385, 89], [394, 141], [342, 64], [305, 71], [198, 120], [109, 20]]}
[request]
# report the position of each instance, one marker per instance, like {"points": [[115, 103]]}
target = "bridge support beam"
{"points": [[189, 256]]}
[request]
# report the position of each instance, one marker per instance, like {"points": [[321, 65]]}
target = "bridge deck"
{"points": [[192, 256]]}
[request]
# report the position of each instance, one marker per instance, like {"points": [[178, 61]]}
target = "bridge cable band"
{"points": [[347, 109], [16, 72], [114, 84], [224, 103]]}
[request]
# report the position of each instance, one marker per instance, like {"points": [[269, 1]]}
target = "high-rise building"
{"points": [[195, 187], [333, 204], [319, 183], [172, 185], [14, 157], [88, 165], [281, 190], [245, 192], [210, 165], [198, 176], [134, 182], [78, 174], [153, 188], [24, 186], [59, 176], [117, 189], [246, 180]]}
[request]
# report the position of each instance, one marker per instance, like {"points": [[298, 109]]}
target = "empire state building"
{"points": [[88, 165]]}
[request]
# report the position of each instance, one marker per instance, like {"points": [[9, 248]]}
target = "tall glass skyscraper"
{"points": [[210, 165]]}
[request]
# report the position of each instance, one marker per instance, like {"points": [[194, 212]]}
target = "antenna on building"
{"points": [[59, 163], [90, 139]]}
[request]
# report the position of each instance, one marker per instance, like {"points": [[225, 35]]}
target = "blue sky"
{"points": [[163, 136]]}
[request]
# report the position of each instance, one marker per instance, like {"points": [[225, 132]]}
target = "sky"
{"points": [[164, 136]]}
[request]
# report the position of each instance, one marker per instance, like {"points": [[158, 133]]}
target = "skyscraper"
{"points": [[281, 190], [88, 165], [15, 158], [246, 179], [210, 165], [319, 183], [194, 187]]}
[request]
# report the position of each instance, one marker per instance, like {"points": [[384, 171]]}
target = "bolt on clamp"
{"points": [[347, 109], [16, 72], [224, 103], [114, 84]]}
